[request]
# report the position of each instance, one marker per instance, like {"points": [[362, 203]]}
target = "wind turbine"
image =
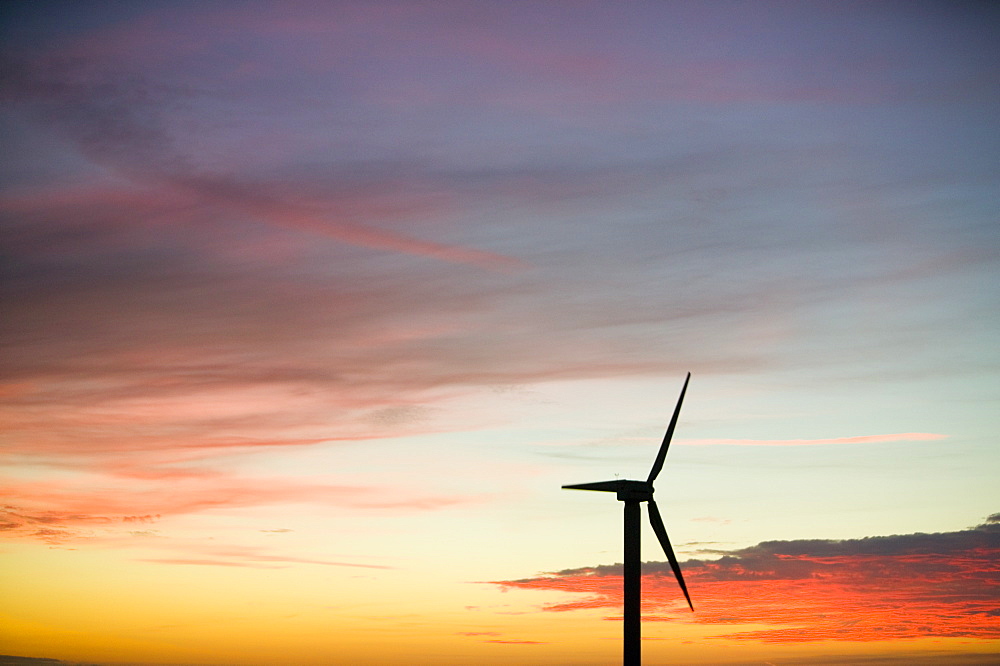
{"points": [[632, 493]]}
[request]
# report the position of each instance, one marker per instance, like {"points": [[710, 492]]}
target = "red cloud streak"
{"points": [[872, 589]]}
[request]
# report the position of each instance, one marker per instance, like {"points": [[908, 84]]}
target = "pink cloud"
{"points": [[123, 124], [860, 439], [164, 203], [70, 509], [332, 224]]}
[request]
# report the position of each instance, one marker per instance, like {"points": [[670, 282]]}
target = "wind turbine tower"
{"points": [[632, 493]]}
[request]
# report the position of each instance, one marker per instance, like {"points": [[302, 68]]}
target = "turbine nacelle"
{"points": [[628, 490]]}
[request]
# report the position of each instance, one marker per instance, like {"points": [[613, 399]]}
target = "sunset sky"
{"points": [[309, 310]]}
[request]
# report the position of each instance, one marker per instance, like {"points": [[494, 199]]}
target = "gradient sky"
{"points": [[311, 308]]}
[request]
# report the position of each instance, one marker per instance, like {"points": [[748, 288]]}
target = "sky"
{"points": [[311, 308]]}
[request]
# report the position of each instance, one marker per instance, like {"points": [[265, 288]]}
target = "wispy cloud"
{"points": [[82, 508], [858, 439], [495, 637], [123, 123], [860, 590], [255, 561], [209, 553]]}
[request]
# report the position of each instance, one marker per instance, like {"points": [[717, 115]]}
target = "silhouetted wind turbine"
{"points": [[633, 492]]}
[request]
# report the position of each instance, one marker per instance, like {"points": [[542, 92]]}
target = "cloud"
{"points": [[181, 229], [256, 562], [434, 51], [249, 199], [125, 123], [859, 439], [179, 551], [857, 590], [204, 562], [200, 324], [99, 507]]}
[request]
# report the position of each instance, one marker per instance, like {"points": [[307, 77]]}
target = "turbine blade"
{"points": [[662, 454], [606, 486], [661, 534]]}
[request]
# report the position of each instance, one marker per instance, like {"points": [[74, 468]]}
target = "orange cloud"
{"points": [[255, 561], [495, 637], [871, 589]]}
